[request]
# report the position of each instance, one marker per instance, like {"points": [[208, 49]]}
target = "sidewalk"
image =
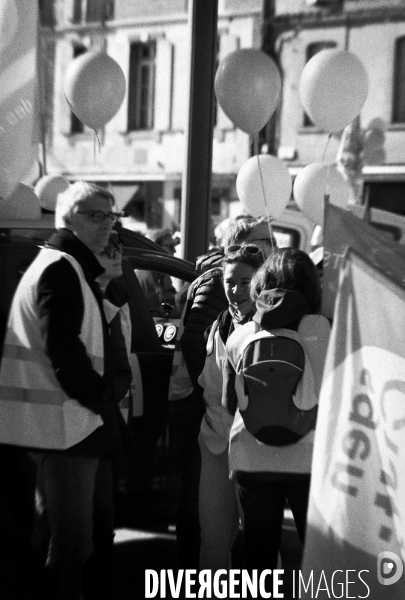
{"points": [[145, 539]]}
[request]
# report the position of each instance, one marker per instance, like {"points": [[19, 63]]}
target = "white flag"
{"points": [[18, 48], [356, 518]]}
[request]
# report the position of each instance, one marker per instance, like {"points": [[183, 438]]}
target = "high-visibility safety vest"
{"points": [[34, 410]]}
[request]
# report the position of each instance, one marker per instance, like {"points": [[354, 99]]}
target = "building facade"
{"points": [[374, 30], [140, 152]]}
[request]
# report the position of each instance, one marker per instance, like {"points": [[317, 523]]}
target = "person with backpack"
{"points": [[218, 508], [272, 378]]}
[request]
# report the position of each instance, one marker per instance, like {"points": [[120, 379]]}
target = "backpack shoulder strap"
{"points": [[211, 338]]}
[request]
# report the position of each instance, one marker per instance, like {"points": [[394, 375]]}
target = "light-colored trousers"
{"points": [[218, 510]]}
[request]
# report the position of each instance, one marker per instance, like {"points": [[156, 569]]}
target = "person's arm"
{"points": [[61, 312], [208, 300], [167, 290], [211, 377], [123, 375], [181, 297]]}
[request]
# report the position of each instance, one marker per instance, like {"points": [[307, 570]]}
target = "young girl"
{"points": [[288, 294], [116, 306], [218, 508]]}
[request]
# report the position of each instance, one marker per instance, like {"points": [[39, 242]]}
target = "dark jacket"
{"points": [[61, 312], [206, 301]]}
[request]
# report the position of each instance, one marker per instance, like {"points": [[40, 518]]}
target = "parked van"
{"points": [[293, 229], [383, 205], [384, 188]]}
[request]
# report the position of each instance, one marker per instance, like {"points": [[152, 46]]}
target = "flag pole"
{"points": [[40, 101]]}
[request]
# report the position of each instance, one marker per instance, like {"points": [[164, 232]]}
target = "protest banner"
{"points": [[343, 230], [356, 519], [18, 61]]}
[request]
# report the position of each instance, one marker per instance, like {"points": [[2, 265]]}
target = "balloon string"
{"points": [[254, 142], [326, 147], [96, 144], [326, 195], [265, 203]]}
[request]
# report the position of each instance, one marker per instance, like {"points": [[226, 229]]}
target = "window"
{"points": [[76, 126], [286, 237], [47, 13], [398, 113], [313, 49], [141, 89], [92, 11], [97, 11], [386, 195], [77, 11]]}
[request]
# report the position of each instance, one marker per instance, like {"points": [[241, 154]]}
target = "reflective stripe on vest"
{"points": [[15, 352], [34, 410]]}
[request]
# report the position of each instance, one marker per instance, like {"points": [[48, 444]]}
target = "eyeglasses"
{"points": [[97, 216], [114, 247], [249, 249]]}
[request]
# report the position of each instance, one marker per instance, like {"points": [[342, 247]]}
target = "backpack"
{"points": [[280, 404]]}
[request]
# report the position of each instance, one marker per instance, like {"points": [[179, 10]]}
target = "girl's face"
{"points": [[112, 266], [237, 279]]}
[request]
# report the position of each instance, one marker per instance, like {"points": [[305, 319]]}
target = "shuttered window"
{"points": [[141, 90], [398, 113], [313, 49], [76, 126]]}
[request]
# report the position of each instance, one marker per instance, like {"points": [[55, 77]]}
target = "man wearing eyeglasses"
{"points": [[59, 385]]}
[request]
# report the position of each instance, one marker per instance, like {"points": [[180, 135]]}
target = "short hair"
{"points": [[222, 229], [241, 256], [289, 269], [158, 235], [241, 230], [75, 195]]}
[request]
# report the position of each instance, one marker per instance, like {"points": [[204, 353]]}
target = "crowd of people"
{"points": [[65, 377]]}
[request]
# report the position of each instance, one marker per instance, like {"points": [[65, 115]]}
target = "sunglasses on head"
{"points": [[271, 241], [249, 249], [114, 247]]}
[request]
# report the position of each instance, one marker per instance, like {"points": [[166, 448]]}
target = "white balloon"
{"points": [[48, 188], [248, 86], [333, 89], [315, 182], [264, 186], [22, 204], [95, 88]]}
